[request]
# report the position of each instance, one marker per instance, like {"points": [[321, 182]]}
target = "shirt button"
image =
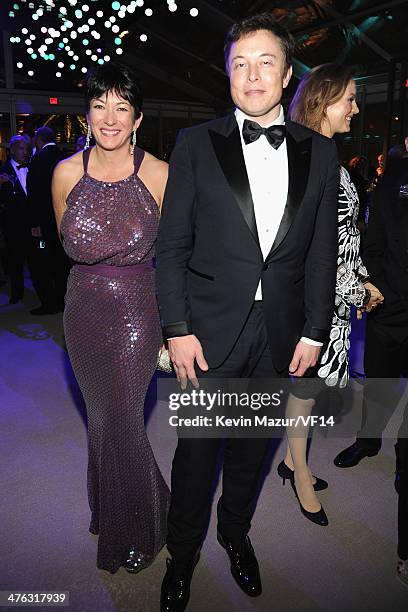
{"points": [[267, 231]]}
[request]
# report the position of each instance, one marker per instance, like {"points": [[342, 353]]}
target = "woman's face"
{"points": [[339, 115], [112, 120]]}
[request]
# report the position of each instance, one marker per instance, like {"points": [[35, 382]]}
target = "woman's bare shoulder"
{"points": [[70, 165], [68, 172], [154, 164]]}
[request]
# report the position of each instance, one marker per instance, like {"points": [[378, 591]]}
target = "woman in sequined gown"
{"points": [[325, 101], [107, 200]]}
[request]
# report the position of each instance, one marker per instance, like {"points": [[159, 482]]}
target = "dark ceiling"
{"points": [[182, 57]]}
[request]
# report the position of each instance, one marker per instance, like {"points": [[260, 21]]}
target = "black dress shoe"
{"points": [[244, 566], [352, 455], [175, 589], [287, 474]]}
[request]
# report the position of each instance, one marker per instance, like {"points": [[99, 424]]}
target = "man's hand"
{"points": [[304, 357], [36, 232], [183, 351], [375, 299]]}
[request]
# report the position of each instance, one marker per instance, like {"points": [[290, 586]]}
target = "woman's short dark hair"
{"points": [[115, 78], [263, 21]]}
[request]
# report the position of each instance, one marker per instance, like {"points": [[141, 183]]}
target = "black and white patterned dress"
{"points": [[350, 290]]}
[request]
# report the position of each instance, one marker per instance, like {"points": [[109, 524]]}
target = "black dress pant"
{"points": [[401, 484], [195, 460], [21, 248], [385, 360]]}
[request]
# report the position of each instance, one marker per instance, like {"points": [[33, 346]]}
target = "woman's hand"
{"points": [[376, 297]]}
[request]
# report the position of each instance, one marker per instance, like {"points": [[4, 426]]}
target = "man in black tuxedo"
{"points": [[56, 266], [20, 245], [386, 348], [246, 264]]}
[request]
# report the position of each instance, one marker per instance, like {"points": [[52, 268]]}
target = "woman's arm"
{"points": [[59, 192], [66, 175], [154, 174]]}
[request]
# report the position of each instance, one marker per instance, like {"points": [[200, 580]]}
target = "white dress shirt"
{"points": [[21, 174], [49, 144], [268, 176]]}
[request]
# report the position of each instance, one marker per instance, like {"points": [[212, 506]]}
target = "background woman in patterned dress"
{"points": [[325, 101], [107, 202]]}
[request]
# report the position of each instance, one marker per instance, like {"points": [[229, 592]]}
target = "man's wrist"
{"points": [[176, 330], [310, 341]]}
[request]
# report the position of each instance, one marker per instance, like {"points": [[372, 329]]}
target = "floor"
{"points": [[44, 515]]}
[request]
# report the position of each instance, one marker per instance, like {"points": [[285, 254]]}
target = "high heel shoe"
{"points": [[319, 517], [287, 474]]}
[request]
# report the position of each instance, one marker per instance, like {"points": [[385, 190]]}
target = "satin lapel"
{"points": [[17, 186], [298, 167], [228, 150]]}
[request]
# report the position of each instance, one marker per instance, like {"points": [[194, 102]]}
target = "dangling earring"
{"points": [[132, 148], [88, 138]]}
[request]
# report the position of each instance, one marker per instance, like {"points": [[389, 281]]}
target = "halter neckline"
{"points": [[137, 159]]}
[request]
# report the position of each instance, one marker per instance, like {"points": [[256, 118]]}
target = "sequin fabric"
{"points": [[113, 336]]}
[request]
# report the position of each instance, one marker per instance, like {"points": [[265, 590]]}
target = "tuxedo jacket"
{"points": [[386, 250], [209, 261], [15, 214], [39, 180]]}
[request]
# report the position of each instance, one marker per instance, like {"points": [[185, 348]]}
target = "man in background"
{"points": [[15, 219], [386, 349], [55, 263]]}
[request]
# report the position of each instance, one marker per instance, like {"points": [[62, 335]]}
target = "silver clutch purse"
{"points": [[164, 362]]}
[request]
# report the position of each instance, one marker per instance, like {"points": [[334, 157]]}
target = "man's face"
{"points": [[20, 152], [256, 67]]}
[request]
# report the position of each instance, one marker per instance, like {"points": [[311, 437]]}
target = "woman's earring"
{"points": [[132, 148], [88, 137]]}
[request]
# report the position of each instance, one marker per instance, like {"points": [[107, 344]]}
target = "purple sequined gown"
{"points": [[113, 337]]}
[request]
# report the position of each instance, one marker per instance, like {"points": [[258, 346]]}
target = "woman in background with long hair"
{"points": [[325, 101]]}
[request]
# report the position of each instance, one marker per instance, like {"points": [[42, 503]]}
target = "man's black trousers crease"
{"points": [[384, 358], [195, 460]]}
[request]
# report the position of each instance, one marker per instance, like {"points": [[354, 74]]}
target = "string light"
{"points": [[80, 24]]}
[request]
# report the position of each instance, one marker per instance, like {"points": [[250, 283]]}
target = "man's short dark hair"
{"points": [[45, 134], [115, 78], [263, 21]]}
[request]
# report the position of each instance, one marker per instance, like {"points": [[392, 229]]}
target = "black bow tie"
{"points": [[22, 166], [252, 131]]}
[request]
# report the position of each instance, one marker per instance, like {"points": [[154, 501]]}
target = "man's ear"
{"points": [[287, 77]]}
